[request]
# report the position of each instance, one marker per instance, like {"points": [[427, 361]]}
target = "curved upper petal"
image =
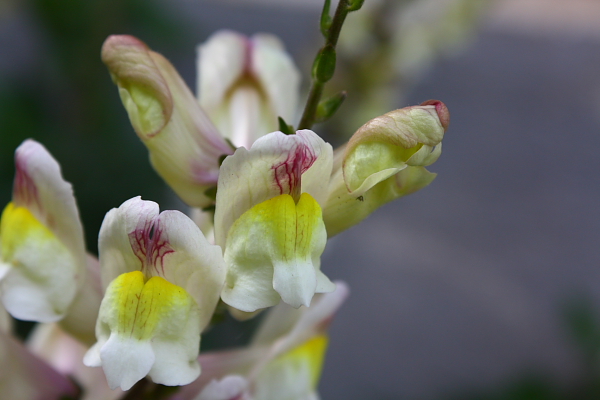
{"points": [[276, 164], [245, 84], [136, 237], [277, 73], [184, 145], [220, 63], [42, 253], [40, 187]]}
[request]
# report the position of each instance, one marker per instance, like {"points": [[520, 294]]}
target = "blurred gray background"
{"points": [[486, 284]]}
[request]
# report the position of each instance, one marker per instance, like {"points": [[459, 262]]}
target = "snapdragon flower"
{"points": [[162, 282], [282, 362], [269, 221], [384, 160], [43, 263]]}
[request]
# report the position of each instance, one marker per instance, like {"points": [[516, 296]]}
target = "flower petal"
{"points": [[274, 250], [42, 253], [136, 237], [344, 210], [275, 70], [114, 243], [40, 187], [274, 165], [146, 328], [220, 63], [40, 283], [231, 387], [246, 84], [184, 145], [293, 375]]}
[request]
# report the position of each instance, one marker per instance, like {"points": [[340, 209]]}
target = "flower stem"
{"points": [[317, 85]]}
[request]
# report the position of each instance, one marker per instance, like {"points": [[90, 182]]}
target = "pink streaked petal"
{"points": [[273, 166], [117, 256], [193, 264], [40, 187], [170, 245], [315, 179]]}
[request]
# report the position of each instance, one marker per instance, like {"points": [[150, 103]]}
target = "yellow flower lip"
{"points": [[142, 305], [275, 246], [18, 225]]}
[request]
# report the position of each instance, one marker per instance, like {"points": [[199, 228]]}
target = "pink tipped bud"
{"points": [[441, 110]]}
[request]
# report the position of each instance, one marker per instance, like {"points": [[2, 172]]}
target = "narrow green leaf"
{"points": [[284, 127], [211, 192], [324, 65], [325, 19], [329, 106], [355, 5]]}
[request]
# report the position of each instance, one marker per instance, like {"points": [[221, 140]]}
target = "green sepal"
{"points": [[211, 193], [230, 143], [326, 19], [329, 106], [210, 208], [285, 128], [324, 65], [355, 5]]}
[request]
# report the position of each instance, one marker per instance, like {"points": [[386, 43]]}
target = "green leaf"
{"points": [[329, 106], [355, 5], [324, 65], [326, 19], [285, 128]]}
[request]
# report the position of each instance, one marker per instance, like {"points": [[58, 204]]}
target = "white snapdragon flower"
{"points": [[269, 221], [162, 280], [282, 362], [43, 263]]}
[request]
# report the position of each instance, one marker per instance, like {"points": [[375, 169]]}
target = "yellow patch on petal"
{"points": [[312, 354], [18, 226], [291, 225], [141, 307]]}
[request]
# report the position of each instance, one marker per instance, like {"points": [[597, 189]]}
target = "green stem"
{"points": [[316, 89]]}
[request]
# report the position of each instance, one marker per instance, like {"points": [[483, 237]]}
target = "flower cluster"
{"points": [[263, 203]]}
